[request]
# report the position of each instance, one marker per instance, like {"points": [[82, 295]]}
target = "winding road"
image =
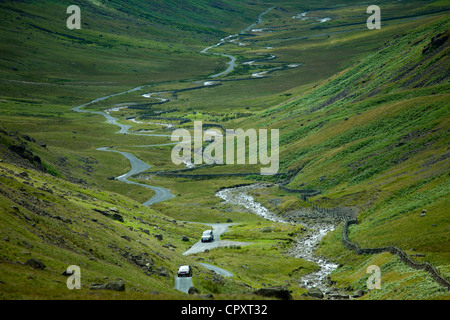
{"points": [[219, 229], [232, 62], [163, 194], [138, 166]]}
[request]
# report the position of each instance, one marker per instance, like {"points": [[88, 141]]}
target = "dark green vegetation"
{"points": [[363, 116]]}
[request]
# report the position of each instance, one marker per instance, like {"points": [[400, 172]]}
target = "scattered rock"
{"points": [[116, 286], [163, 272], [193, 290], [315, 292], [24, 175], [117, 217], [113, 285], [141, 260], [358, 293], [338, 296], [27, 244], [114, 216], [206, 296], [66, 274], [35, 264], [275, 292], [435, 43], [126, 237]]}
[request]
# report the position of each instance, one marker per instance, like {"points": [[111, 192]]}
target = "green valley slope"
{"points": [[375, 138], [365, 120]]}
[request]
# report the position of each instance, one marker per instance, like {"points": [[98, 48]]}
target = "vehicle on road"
{"points": [[185, 271], [208, 236]]}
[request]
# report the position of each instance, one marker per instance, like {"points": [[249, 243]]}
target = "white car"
{"points": [[208, 236], [185, 271]]}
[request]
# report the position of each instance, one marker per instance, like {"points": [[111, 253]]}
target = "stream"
{"points": [[305, 246]]}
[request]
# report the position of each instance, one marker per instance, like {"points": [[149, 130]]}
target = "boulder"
{"points": [[116, 286], [338, 296], [117, 217], [184, 238], [193, 290], [159, 236], [315, 292], [358, 293], [35, 264], [126, 237], [113, 285], [163, 272]]}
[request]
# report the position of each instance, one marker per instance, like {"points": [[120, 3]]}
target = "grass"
{"points": [[364, 119], [262, 263]]}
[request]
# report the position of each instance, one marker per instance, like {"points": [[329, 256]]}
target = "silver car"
{"points": [[208, 236], [185, 271]]}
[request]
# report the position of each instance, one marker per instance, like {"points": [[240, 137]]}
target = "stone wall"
{"points": [[393, 250]]}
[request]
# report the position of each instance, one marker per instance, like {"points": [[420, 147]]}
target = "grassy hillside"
{"points": [[120, 44], [111, 237], [363, 117], [63, 224], [375, 138]]}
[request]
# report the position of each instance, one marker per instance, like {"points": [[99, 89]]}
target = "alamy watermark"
{"points": [[374, 21], [74, 281], [374, 281], [231, 148], [74, 21]]}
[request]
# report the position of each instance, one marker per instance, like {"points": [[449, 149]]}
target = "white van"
{"points": [[185, 271]]}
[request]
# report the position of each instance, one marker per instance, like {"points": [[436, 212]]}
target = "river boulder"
{"points": [[315, 292]]}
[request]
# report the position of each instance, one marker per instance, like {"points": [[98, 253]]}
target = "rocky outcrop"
{"points": [[113, 285], [111, 214], [316, 293], [35, 264]]}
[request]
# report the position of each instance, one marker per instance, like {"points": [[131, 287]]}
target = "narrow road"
{"points": [[183, 284], [232, 63], [218, 229], [162, 194], [217, 270], [138, 166]]}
